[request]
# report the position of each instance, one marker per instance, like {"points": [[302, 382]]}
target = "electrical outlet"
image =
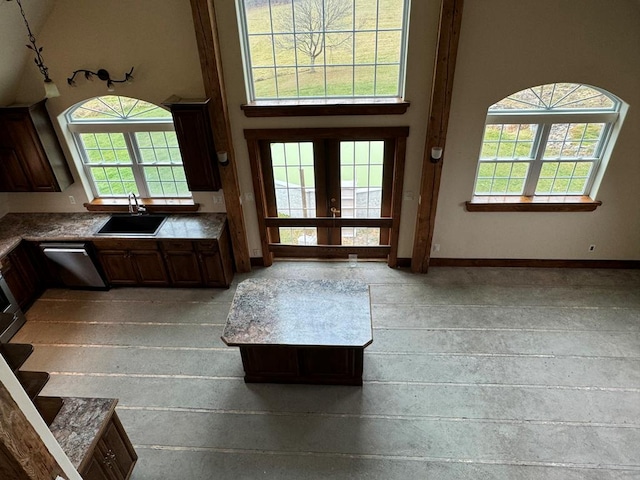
{"points": [[592, 247], [218, 199], [436, 247], [72, 200], [256, 252]]}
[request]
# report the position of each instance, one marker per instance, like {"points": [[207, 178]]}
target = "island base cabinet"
{"points": [[113, 457]]}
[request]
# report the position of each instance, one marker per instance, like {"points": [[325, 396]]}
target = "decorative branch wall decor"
{"points": [[49, 87], [103, 75]]}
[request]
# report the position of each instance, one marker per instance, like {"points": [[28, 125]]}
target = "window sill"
{"points": [[153, 205], [532, 204], [329, 106]]}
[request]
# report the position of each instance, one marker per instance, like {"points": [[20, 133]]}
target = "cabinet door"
{"points": [[118, 267], [183, 268], [212, 269], [12, 176], [96, 470], [191, 120], [30, 152], [21, 276], [122, 457], [150, 267]]}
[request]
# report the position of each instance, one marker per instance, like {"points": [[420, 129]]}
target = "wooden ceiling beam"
{"points": [[204, 21], [441, 88]]}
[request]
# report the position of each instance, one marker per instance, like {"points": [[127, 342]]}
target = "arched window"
{"points": [[546, 140], [128, 145]]}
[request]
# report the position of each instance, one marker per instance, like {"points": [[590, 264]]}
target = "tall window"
{"points": [[546, 140], [128, 145], [323, 48]]}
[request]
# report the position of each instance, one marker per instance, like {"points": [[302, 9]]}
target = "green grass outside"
{"points": [[358, 49]]}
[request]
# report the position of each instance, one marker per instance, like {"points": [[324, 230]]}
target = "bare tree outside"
{"points": [[311, 23]]}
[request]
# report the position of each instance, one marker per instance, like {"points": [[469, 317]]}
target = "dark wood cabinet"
{"points": [[132, 262], [21, 275], [30, 154], [182, 263], [196, 263], [113, 457], [193, 130]]}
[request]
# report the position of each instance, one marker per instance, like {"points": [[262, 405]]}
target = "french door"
{"points": [[328, 193]]}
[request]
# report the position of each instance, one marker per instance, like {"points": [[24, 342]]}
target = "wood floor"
{"points": [[473, 373]]}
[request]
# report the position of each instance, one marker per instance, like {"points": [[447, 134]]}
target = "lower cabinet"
{"points": [[21, 275], [198, 263], [177, 263], [132, 262], [113, 457]]}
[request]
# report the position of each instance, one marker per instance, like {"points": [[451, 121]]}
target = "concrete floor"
{"points": [[473, 373]]}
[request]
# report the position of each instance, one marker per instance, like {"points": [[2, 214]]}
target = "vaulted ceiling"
{"points": [[13, 38]]}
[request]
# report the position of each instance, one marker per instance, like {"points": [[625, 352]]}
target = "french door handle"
{"points": [[334, 210]]}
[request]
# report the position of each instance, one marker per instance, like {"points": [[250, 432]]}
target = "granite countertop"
{"points": [[82, 226], [300, 312], [78, 424]]}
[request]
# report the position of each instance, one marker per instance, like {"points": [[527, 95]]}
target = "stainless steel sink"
{"points": [[132, 225]]}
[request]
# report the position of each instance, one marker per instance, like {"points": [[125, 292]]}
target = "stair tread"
{"points": [[48, 407], [32, 382], [16, 354]]}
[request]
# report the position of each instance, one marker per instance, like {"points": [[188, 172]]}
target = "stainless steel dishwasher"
{"points": [[74, 264]]}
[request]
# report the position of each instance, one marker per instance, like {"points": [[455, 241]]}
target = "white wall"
{"points": [[156, 38], [506, 46]]}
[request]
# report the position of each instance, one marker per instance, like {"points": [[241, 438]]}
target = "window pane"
{"points": [[293, 176], [563, 178], [158, 147], [508, 141], [574, 140], [360, 236], [113, 181], [103, 148], [361, 178], [319, 42], [298, 236], [501, 178], [166, 181]]}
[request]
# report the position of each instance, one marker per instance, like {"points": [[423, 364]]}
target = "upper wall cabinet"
{"points": [[191, 120], [31, 159]]}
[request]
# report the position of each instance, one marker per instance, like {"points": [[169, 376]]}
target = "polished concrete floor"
{"points": [[473, 373]]}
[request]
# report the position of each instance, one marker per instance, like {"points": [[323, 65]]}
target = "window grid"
{"points": [[260, 87], [565, 173], [293, 173], [148, 179], [361, 175]]}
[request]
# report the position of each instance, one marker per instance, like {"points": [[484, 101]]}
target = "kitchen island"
{"points": [[301, 331]]}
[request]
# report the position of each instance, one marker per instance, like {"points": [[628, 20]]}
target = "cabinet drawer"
{"points": [[207, 245], [117, 244], [177, 245]]}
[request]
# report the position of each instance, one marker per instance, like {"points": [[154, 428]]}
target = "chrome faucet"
{"points": [[134, 207]]}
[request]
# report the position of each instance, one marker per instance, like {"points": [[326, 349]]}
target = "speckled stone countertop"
{"points": [[77, 425], [82, 226], [300, 312]]}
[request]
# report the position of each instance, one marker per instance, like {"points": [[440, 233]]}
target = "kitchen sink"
{"points": [[132, 225]]}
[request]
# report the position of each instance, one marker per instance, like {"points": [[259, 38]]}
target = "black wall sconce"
{"points": [[103, 75]]}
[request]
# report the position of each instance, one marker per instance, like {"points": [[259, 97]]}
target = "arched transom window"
{"points": [[546, 140], [128, 145]]}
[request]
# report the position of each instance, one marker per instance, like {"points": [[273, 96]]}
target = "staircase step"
{"points": [[32, 382], [15, 354], [48, 407]]}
